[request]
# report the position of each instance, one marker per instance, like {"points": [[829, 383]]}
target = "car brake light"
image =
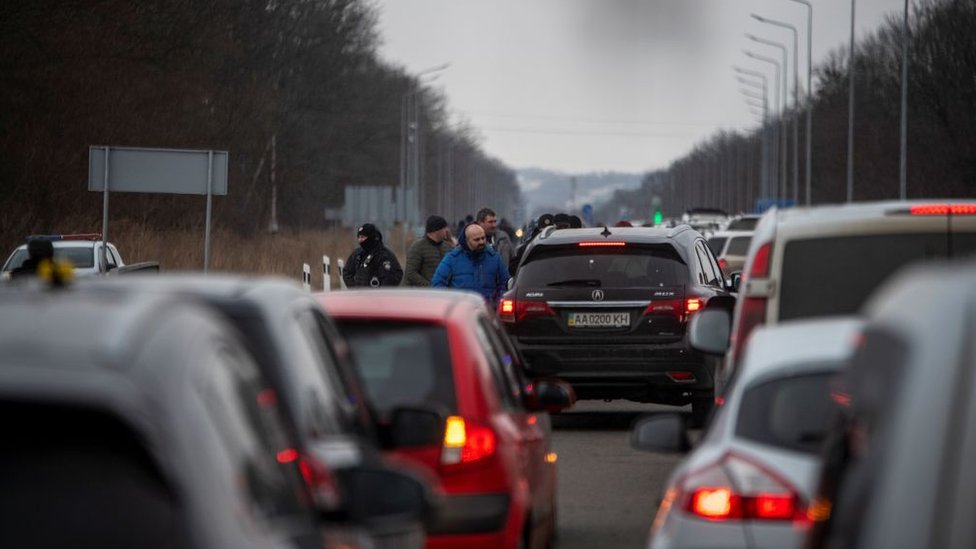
{"points": [[753, 314], [692, 305], [681, 308], [737, 488], [760, 263], [318, 478], [466, 441], [610, 243], [681, 376], [723, 264], [943, 209], [506, 310]]}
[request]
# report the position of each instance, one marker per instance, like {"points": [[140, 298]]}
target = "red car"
{"points": [[443, 348]]}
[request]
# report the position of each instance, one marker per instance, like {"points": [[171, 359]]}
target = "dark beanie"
{"points": [[435, 223], [369, 231]]}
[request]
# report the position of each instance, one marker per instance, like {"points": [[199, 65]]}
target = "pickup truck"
{"points": [[83, 251]]}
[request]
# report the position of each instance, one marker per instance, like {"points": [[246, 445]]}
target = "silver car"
{"points": [[754, 470]]}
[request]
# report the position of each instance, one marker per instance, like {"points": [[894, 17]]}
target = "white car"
{"points": [[81, 250], [755, 469], [730, 248]]}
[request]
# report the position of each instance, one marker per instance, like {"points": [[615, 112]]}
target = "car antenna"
{"points": [[606, 232]]}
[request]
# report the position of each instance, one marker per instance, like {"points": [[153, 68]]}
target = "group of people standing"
{"points": [[478, 262]]}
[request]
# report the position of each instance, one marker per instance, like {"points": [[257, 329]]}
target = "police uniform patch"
{"points": [[386, 265]]}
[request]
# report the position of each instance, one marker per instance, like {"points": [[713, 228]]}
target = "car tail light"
{"points": [[466, 441], [682, 377], [318, 478], [506, 310], [681, 308], [760, 263], [723, 264], [753, 308], [943, 209], [736, 488]]}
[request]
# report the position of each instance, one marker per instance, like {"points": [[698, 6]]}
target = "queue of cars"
{"points": [[887, 415]]}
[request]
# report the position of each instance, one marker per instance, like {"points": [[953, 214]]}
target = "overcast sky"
{"points": [[584, 85]]}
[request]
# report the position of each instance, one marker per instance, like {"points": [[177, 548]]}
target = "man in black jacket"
{"points": [[372, 265]]}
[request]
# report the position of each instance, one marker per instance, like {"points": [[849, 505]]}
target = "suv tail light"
{"points": [[943, 209], [466, 441], [736, 488], [681, 308], [512, 310]]}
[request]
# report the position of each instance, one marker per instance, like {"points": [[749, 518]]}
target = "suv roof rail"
{"points": [[547, 232], [678, 230]]}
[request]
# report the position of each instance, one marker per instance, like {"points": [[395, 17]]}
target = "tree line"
{"points": [[292, 89], [725, 170]]}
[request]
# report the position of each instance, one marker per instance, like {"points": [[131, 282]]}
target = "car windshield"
{"points": [[792, 413], [78, 257], [739, 245], [744, 224], [836, 275], [650, 266], [402, 363]]}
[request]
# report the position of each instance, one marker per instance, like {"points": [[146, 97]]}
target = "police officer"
{"points": [[372, 265]]}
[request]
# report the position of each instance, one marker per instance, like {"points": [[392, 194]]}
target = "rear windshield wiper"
{"points": [[577, 282]]}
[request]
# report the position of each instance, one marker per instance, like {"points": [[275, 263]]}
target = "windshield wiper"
{"points": [[577, 282]]}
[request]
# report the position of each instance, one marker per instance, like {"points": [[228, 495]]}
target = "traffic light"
{"points": [[658, 217]]}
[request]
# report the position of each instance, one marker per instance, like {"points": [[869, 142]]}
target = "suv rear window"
{"points": [[739, 245], [381, 349], [629, 266], [793, 413], [836, 275], [716, 243]]}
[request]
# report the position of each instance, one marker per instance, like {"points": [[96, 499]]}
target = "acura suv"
{"points": [[606, 310]]}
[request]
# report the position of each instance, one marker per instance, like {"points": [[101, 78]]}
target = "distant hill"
{"points": [[550, 191]]}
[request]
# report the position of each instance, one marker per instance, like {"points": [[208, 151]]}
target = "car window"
{"points": [[250, 430], [793, 413], [836, 275], [738, 246], [508, 391], [326, 405], [716, 243], [96, 481], [381, 349], [744, 224], [713, 275], [83, 258], [650, 266]]}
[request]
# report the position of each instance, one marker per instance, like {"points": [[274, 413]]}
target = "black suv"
{"points": [[606, 310]]}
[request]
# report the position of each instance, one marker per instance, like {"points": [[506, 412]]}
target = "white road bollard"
{"points": [[342, 267], [326, 274], [307, 277]]}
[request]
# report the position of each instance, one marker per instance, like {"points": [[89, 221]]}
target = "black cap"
{"points": [[435, 223], [368, 230]]}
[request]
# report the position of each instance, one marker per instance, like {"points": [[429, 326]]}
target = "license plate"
{"points": [[598, 320]]}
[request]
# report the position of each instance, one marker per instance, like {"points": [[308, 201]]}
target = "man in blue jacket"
{"points": [[473, 265]]}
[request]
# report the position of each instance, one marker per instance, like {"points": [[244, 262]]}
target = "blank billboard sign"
{"points": [[139, 170]]}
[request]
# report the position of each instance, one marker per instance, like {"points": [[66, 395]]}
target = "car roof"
{"points": [[855, 211], [798, 347], [641, 235], [730, 234], [68, 244], [432, 305], [226, 286]]}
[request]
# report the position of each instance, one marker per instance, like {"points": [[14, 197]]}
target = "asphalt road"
{"points": [[608, 492]]}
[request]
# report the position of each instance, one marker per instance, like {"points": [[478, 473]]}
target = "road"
{"points": [[608, 492]]}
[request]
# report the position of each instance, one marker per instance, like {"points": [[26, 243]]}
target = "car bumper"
{"points": [[639, 372], [470, 514]]}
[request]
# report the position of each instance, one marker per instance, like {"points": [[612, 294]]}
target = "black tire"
{"points": [[701, 410]]}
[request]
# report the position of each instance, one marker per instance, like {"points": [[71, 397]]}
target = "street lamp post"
{"points": [[764, 175], [410, 142], [778, 97], [809, 144], [796, 100], [784, 183], [850, 114], [903, 152]]}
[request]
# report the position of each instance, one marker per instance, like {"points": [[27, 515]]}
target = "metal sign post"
{"points": [[103, 257], [170, 171]]}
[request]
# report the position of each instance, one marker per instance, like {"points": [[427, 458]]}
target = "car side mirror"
{"points": [[660, 433], [735, 279], [551, 395], [411, 427], [511, 283], [382, 495], [709, 331]]}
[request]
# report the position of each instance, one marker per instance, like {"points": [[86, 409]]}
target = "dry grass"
{"points": [[265, 254]]}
